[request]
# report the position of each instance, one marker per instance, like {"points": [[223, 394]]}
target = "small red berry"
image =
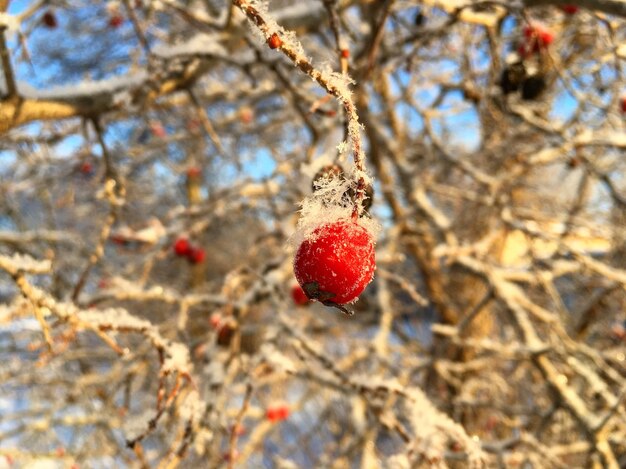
{"points": [[50, 20], [215, 321], [182, 247], [196, 255], [336, 262], [538, 37], [274, 41], [116, 21], [118, 239], [345, 53], [246, 115], [194, 172], [86, 168], [569, 9], [298, 295], [227, 455], [158, 130], [624, 104], [277, 412]]}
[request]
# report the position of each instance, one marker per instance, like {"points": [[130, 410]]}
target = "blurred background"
{"points": [[153, 159]]}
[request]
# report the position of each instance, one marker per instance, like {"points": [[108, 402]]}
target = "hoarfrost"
{"points": [[329, 204], [192, 407], [177, 358]]}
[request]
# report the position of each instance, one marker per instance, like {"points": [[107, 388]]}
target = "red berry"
{"points": [[538, 37], [336, 262], [246, 115], [274, 41], [298, 295], [182, 247], [624, 104], [569, 9], [194, 172], [119, 239], [50, 20], [345, 53], [196, 255], [215, 321], [115, 21], [277, 412], [86, 168], [158, 130]]}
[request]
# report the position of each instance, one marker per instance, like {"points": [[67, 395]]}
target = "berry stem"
{"points": [[326, 81]]}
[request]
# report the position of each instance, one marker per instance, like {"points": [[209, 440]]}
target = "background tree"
{"points": [[152, 161]]}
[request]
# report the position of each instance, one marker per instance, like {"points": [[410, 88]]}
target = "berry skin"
{"points": [[50, 20], [345, 53], [624, 105], [298, 296], [196, 255], [276, 413], [335, 264], [182, 247], [274, 41]]}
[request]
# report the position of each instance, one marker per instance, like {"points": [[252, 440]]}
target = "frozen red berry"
{"points": [[298, 296], [196, 255], [336, 262], [277, 412], [569, 9], [50, 19], [182, 247], [274, 41]]}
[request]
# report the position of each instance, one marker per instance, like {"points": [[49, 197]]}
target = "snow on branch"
{"points": [[23, 263]]}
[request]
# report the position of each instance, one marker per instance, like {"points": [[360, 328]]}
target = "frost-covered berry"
{"points": [[298, 295], [182, 247], [335, 262], [274, 41]]}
